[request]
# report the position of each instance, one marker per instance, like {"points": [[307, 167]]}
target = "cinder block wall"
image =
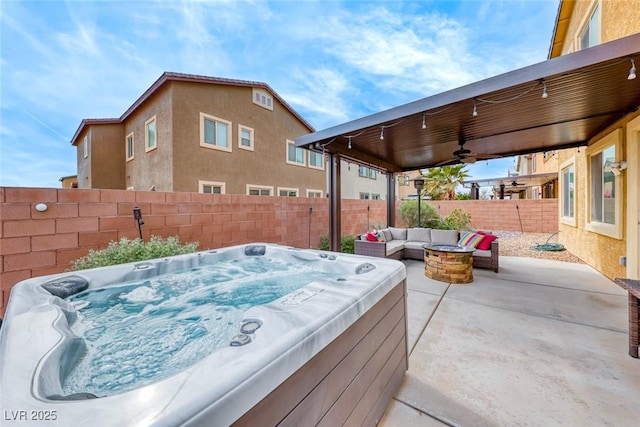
{"points": [[34, 243], [526, 215]]}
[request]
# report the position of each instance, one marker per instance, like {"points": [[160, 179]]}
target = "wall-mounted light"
{"points": [[632, 71], [41, 207], [618, 167]]}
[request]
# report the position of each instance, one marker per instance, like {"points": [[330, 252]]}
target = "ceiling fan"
{"points": [[515, 184], [464, 155]]}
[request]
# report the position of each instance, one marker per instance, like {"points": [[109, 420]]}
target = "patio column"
{"points": [[335, 229], [391, 199]]}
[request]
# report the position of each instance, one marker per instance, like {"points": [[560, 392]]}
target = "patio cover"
{"points": [[587, 91]]}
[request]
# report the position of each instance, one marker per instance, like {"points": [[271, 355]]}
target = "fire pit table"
{"points": [[448, 263]]}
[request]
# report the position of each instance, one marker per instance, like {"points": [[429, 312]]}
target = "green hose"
{"points": [[546, 246]]}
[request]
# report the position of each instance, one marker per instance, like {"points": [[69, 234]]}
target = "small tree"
{"points": [[429, 218], [456, 220]]}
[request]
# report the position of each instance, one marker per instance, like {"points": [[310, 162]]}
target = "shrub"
{"points": [[457, 220], [347, 244], [133, 250], [429, 218]]}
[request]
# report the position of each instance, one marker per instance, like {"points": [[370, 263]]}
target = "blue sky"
{"points": [[332, 61]]}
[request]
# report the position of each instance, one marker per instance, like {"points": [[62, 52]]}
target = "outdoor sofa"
{"points": [[399, 243]]}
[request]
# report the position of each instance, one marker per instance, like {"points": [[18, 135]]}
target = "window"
{"points": [[245, 137], [317, 194], [590, 36], [259, 190], [363, 171], [364, 196], [533, 162], [211, 187], [150, 135], [287, 192], [604, 211], [295, 155], [403, 180], [85, 147], [568, 192], [263, 98], [214, 133], [316, 160], [373, 174], [375, 196], [129, 146]]}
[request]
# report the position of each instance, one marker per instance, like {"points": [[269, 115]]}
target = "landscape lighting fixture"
{"points": [[632, 71]]}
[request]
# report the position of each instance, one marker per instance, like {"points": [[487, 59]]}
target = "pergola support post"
{"points": [[391, 199], [335, 228]]}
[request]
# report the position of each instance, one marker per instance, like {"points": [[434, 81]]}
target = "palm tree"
{"points": [[442, 181]]}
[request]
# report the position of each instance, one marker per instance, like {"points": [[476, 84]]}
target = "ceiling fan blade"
{"points": [[448, 162], [487, 156], [469, 160]]}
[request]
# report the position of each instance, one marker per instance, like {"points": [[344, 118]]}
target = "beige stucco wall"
{"points": [[107, 156], [619, 18], [265, 165], [598, 250], [153, 168]]}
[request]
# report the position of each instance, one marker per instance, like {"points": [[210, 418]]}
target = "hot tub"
{"points": [[331, 352]]}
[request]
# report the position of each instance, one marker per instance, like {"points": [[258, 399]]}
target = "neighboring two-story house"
{"points": [[202, 134], [598, 185], [545, 165]]}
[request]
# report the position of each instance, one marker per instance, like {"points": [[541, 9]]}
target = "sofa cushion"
{"points": [[398, 233], [444, 237], [387, 234], [470, 239], [485, 244], [413, 245], [394, 246], [419, 235], [482, 253]]}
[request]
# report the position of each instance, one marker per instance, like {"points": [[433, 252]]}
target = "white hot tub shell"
{"points": [[333, 352]]}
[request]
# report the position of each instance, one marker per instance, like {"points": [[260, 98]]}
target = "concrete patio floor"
{"points": [[541, 343]]}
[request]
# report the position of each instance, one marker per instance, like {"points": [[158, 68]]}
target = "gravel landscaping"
{"points": [[513, 243]]}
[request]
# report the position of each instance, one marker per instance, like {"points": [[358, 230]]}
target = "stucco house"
{"points": [[202, 134], [598, 191]]}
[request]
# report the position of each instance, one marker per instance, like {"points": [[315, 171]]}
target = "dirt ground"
{"points": [[513, 243]]}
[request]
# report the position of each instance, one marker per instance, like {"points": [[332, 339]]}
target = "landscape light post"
{"points": [[418, 183]]}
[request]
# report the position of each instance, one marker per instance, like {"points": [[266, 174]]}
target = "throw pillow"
{"points": [[488, 238], [471, 239], [380, 236], [387, 234], [371, 237]]}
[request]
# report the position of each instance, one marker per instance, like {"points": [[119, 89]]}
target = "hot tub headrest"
{"points": [[255, 250], [66, 286]]}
